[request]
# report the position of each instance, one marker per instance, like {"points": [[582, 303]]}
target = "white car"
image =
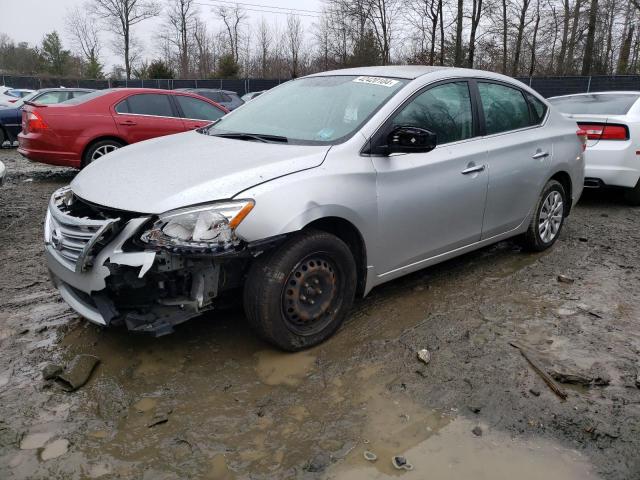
{"points": [[612, 123], [11, 95]]}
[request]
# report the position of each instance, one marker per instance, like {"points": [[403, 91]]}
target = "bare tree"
{"points": [[180, 19], [264, 45], [205, 47], [588, 49], [459, 19], [85, 39], [233, 19], [294, 37], [120, 16], [522, 24]]}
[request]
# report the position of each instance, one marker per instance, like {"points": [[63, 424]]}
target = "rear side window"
{"points": [[599, 104], [153, 104], [538, 109], [198, 109], [445, 110], [505, 108]]}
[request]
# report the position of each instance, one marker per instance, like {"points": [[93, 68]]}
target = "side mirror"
{"points": [[406, 139]]}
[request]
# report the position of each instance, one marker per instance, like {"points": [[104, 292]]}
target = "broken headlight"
{"points": [[204, 227]]}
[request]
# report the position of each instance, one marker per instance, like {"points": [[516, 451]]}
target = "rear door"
{"points": [[519, 154], [197, 113], [147, 115]]}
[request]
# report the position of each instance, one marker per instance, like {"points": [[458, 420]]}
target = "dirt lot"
{"points": [[212, 401]]}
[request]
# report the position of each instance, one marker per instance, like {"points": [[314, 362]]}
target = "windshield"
{"points": [[599, 104], [312, 110]]}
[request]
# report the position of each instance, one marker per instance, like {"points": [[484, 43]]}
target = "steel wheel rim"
{"points": [[310, 295], [102, 151], [550, 218]]}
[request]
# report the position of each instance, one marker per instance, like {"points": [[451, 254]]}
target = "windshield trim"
{"points": [[212, 130]]}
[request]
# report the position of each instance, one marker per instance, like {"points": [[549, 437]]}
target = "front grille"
{"points": [[73, 236]]}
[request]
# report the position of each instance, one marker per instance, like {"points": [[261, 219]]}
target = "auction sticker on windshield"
{"points": [[383, 82]]}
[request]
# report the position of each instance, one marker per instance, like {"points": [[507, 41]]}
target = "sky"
{"points": [[29, 20]]}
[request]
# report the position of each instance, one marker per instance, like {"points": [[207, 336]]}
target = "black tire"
{"points": [[88, 156], [533, 239], [632, 195], [3, 137], [282, 289]]}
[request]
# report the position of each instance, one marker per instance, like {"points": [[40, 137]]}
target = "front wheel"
{"points": [[548, 218], [299, 295]]}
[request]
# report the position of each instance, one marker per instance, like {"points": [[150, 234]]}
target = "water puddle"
{"points": [[280, 368], [454, 452]]}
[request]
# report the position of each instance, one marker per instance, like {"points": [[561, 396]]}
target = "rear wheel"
{"points": [[548, 218], [632, 195], [299, 295], [100, 149]]}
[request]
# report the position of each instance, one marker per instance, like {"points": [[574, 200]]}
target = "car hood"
{"points": [[187, 169]]}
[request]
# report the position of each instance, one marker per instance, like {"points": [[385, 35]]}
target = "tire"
{"points": [[99, 149], [632, 195], [298, 295], [538, 237]]}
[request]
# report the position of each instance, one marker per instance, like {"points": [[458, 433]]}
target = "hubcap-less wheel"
{"points": [[102, 151], [309, 297], [550, 218]]}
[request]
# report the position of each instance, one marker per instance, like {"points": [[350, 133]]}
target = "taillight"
{"points": [[605, 131], [13, 101], [31, 121], [582, 134]]}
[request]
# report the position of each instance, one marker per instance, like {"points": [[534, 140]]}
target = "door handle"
{"points": [[473, 169], [539, 155], [128, 123]]}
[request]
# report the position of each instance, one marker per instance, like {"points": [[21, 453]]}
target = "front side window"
{"points": [[505, 108], [445, 110], [197, 109], [319, 110], [147, 104]]}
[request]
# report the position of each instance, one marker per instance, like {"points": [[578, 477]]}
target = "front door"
{"points": [[431, 203]]}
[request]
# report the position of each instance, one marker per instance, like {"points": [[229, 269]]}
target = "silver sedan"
{"points": [[314, 192]]}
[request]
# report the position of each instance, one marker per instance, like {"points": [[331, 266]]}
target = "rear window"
{"points": [[599, 104], [88, 97]]}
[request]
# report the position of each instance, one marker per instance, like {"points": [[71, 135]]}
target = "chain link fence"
{"points": [[546, 86], [240, 86]]}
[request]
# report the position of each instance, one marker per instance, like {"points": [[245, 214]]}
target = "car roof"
{"points": [[62, 89], [398, 71]]}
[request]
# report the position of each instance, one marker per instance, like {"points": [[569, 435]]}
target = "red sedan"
{"points": [[81, 130]]}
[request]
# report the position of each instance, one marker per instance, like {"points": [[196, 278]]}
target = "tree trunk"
{"points": [[565, 37], [504, 36], [587, 60], [458, 55], [440, 10], [533, 43], [518, 46], [568, 64], [475, 20], [625, 52]]}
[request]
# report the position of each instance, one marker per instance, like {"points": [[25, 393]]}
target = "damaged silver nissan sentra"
{"points": [[311, 194]]}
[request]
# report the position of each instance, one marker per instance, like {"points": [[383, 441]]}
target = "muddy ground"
{"points": [[212, 401]]}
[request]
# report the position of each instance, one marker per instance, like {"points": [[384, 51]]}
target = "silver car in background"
{"points": [[314, 192], [612, 123]]}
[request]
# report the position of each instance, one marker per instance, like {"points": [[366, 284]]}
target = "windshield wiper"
{"points": [[253, 136]]}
